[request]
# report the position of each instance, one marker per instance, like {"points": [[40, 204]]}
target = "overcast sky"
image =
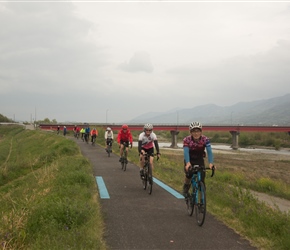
{"points": [[111, 61]]}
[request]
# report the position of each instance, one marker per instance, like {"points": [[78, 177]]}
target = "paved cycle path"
{"points": [[136, 220]]}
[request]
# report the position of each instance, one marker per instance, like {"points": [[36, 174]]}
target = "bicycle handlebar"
{"points": [[150, 155], [197, 167]]}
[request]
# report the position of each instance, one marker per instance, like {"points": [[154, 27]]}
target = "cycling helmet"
{"points": [[148, 126], [125, 126], [109, 129], [194, 125]]}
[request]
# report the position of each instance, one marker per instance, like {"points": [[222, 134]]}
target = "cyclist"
{"points": [[124, 137], [145, 144], [109, 137], [94, 134], [77, 132], [194, 154], [64, 130], [83, 131], [87, 133], [74, 130]]}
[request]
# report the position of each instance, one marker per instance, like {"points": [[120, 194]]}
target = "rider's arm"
{"points": [[186, 154], [139, 146], [156, 146], [106, 135], [186, 157], [209, 154], [119, 137]]}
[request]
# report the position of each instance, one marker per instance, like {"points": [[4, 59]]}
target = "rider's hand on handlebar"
{"points": [[211, 166], [187, 166]]}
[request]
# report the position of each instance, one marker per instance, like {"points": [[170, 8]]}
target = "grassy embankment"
{"points": [[50, 199], [48, 195]]}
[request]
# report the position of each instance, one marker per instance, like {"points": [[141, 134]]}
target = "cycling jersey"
{"points": [[194, 150], [124, 137], [146, 142], [94, 132], [109, 135]]}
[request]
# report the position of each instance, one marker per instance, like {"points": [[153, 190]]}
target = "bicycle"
{"points": [[93, 139], [109, 146], [147, 179], [124, 160], [197, 199], [86, 137]]}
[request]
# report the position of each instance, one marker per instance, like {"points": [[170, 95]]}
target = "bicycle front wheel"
{"points": [[150, 179], [189, 204], [125, 161], [144, 181], [200, 206]]}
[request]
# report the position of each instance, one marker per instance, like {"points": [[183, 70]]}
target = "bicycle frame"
{"points": [[124, 156], [94, 137], [109, 146]]}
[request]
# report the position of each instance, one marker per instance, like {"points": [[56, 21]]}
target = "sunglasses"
{"points": [[148, 130], [195, 131]]}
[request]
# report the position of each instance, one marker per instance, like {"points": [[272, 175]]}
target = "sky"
{"points": [[111, 61]]}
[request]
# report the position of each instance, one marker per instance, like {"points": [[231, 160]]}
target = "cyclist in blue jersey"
{"points": [[87, 133], [194, 154]]}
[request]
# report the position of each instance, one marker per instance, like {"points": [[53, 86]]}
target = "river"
{"points": [[227, 147]]}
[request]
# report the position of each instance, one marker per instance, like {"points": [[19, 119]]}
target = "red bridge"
{"points": [[174, 129]]}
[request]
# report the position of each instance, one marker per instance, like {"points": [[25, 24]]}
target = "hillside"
{"points": [[274, 111]]}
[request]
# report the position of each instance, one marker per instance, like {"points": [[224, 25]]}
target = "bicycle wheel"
{"points": [[122, 162], [125, 161], [145, 178], [200, 207], [189, 204], [150, 179], [109, 151]]}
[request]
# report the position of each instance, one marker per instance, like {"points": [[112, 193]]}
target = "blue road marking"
{"points": [[102, 188], [168, 189]]}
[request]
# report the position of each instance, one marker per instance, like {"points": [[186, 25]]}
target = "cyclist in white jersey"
{"points": [[146, 142], [109, 137]]}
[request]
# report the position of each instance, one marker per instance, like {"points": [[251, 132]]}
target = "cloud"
{"points": [[263, 75], [46, 47], [75, 60], [139, 62]]}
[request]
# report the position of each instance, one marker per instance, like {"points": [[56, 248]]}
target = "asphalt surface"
{"points": [[136, 220]]}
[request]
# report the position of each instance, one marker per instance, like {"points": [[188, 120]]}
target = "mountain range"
{"points": [[274, 111]]}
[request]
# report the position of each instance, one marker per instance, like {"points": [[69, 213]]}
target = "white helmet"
{"points": [[194, 125], [108, 129], [148, 126]]}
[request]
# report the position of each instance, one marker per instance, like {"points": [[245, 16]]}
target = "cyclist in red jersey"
{"points": [[124, 137]]}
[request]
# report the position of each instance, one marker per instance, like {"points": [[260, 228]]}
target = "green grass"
{"points": [[48, 195]]}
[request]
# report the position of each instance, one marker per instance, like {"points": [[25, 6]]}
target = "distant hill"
{"points": [[274, 111]]}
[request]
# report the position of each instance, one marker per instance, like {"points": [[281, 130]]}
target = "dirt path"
{"points": [[274, 202]]}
